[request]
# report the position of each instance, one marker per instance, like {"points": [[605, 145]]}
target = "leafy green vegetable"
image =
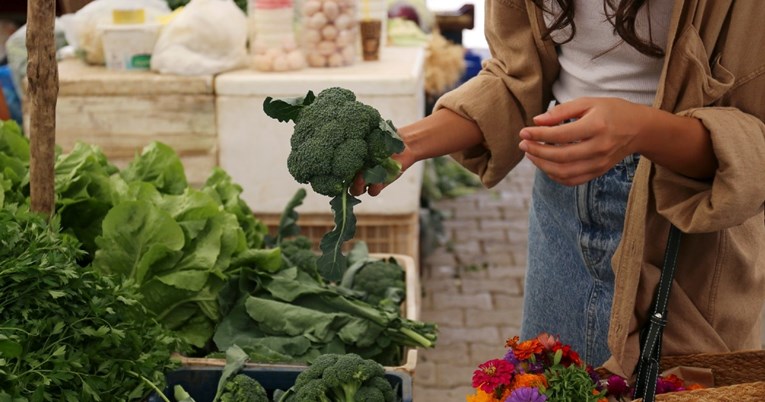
{"points": [[68, 333], [335, 138], [221, 187], [286, 306], [14, 164], [158, 164]]}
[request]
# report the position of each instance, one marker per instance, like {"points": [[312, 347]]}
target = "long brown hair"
{"points": [[622, 14]]}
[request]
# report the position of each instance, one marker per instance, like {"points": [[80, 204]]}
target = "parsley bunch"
{"points": [[68, 333]]}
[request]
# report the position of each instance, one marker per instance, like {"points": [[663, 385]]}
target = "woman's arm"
{"points": [[607, 130], [438, 134]]}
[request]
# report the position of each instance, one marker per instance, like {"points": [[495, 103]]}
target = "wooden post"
{"points": [[42, 75]]}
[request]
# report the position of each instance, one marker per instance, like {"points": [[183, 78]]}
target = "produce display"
{"points": [[145, 265]]}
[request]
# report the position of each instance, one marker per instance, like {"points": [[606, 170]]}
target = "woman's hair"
{"points": [[621, 15]]}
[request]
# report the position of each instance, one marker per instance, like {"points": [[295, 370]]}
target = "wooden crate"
{"points": [[387, 234], [122, 112]]}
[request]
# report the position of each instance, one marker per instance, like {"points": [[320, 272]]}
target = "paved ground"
{"points": [[473, 288]]}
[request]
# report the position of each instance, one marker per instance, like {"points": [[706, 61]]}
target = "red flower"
{"points": [[569, 355], [492, 374]]}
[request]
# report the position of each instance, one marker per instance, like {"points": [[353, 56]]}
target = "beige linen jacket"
{"points": [[714, 70]]}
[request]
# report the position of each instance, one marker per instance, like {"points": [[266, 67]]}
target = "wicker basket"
{"points": [[386, 234], [738, 376]]}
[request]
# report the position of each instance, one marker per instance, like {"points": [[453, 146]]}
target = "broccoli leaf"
{"points": [[288, 108], [288, 226], [393, 143], [332, 262], [235, 360]]}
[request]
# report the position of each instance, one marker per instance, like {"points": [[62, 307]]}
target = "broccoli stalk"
{"points": [[335, 138]]}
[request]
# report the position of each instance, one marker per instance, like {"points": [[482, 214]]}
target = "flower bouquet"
{"points": [[544, 369]]}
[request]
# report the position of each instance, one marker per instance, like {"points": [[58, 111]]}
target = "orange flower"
{"points": [[525, 349], [480, 396], [512, 342], [529, 380], [694, 386]]}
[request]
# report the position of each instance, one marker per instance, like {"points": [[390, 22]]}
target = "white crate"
{"points": [[254, 147]]}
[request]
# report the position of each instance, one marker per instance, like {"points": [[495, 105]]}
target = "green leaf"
{"points": [[275, 317], [288, 226], [160, 165], [187, 280], [12, 141], [10, 349], [269, 260], [136, 236], [332, 263], [287, 109]]}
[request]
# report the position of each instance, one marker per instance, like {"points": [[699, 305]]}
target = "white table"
{"points": [[124, 111]]}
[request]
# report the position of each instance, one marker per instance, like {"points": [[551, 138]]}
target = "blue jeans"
{"points": [[573, 233]]}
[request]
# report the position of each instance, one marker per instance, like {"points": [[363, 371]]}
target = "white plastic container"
{"points": [[129, 47], [272, 42], [329, 32]]}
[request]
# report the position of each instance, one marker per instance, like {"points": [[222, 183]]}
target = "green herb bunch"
{"points": [[68, 333]]}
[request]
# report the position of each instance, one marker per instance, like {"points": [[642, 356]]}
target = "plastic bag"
{"points": [[82, 30], [207, 37]]}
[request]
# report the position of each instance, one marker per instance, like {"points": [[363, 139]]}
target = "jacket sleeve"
{"points": [[737, 191], [505, 95]]}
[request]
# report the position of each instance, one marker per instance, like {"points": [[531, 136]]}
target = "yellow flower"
{"points": [[480, 396]]}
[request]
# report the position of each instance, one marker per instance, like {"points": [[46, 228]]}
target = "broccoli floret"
{"points": [[342, 378], [376, 389], [243, 388], [380, 280], [312, 391]]}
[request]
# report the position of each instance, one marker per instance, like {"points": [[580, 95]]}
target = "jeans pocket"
{"points": [[630, 165]]}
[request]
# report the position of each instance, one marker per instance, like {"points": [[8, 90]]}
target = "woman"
{"points": [[678, 83]]}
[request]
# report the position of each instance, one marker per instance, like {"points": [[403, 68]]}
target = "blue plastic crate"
{"points": [[202, 382]]}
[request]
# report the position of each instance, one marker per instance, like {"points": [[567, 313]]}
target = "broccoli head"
{"points": [[380, 280], [343, 378], [297, 252], [243, 388], [335, 137]]}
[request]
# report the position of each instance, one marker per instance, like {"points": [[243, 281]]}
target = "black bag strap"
{"points": [[650, 342]]}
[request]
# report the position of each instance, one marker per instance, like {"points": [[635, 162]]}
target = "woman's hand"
{"points": [[440, 133], [605, 131], [406, 158]]}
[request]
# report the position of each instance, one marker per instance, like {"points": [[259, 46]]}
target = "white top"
{"points": [[597, 62]]}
